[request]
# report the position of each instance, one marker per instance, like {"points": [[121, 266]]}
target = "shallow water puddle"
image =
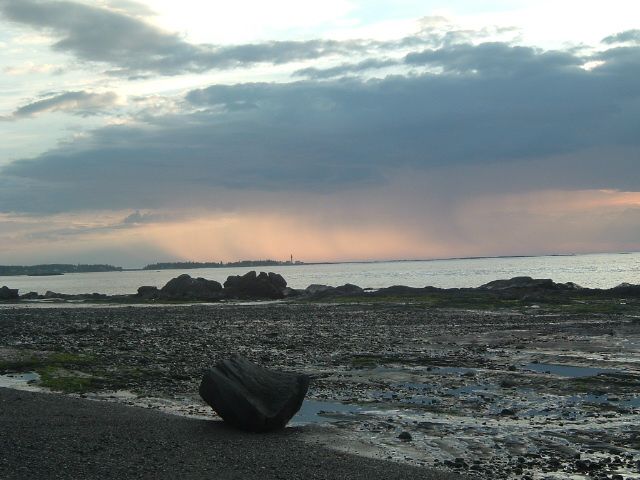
{"points": [[570, 371], [19, 381], [633, 402], [317, 411]]}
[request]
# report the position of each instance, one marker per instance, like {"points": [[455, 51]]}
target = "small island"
{"points": [[240, 263], [54, 269]]}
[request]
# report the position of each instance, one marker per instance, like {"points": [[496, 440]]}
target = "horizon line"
{"points": [[286, 263]]}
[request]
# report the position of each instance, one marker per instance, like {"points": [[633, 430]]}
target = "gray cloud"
{"points": [[78, 103], [139, 218], [489, 58], [134, 46], [345, 69], [494, 58], [494, 104], [131, 7], [120, 36], [628, 36]]}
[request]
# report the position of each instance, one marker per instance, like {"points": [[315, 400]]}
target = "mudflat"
{"points": [[495, 393]]}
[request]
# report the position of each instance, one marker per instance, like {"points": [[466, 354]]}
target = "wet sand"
{"points": [[47, 436]]}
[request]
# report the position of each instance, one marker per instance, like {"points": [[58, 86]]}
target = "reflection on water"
{"points": [[596, 271], [571, 371], [315, 411], [19, 381]]}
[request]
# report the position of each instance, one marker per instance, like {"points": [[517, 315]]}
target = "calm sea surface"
{"points": [[596, 271]]}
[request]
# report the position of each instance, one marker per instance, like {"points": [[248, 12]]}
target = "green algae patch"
{"points": [[24, 362], [67, 381], [366, 361], [605, 383], [58, 370]]}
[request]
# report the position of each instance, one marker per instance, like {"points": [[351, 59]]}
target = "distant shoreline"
{"points": [[41, 270], [32, 270]]}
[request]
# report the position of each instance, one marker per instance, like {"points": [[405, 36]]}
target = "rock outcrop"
{"points": [[185, 287], [7, 293], [527, 283], [253, 286], [626, 289], [319, 291], [148, 293], [251, 397], [401, 290], [349, 289]]}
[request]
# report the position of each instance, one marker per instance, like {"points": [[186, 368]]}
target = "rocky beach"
{"points": [[513, 386]]}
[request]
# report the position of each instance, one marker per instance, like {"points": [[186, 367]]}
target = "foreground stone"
{"points": [[251, 397]]}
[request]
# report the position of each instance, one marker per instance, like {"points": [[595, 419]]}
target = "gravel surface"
{"points": [[504, 394], [47, 436]]}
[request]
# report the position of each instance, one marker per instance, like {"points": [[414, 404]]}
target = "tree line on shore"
{"points": [[241, 263], [62, 268]]}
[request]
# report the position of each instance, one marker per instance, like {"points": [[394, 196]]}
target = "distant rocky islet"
{"points": [[254, 286]]}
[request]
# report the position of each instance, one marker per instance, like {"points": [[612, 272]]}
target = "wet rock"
{"points": [[627, 289], [585, 466], [277, 280], [405, 437], [326, 291], [291, 292], [30, 296], [250, 285], [349, 289], [49, 295], [148, 293], [251, 397], [315, 289], [400, 290], [184, 287], [7, 293], [528, 283]]}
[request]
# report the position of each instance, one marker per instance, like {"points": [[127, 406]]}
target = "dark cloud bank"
{"points": [[493, 103], [459, 105], [78, 102]]}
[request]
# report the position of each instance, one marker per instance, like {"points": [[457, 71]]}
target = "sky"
{"points": [[153, 130]]}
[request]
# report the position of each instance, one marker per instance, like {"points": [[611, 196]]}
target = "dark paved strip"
{"points": [[48, 436]]}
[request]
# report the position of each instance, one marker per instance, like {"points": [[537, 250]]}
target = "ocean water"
{"points": [[595, 271]]}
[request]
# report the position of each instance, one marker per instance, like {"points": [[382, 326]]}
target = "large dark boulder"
{"points": [[7, 293], [253, 286], [30, 296], [402, 290], [148, 292], [49, 295], [528, 283], [318, 289], [349, 289], [277, 280], [251, 397], [184, 287], [322, 291], [627, 289]]}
